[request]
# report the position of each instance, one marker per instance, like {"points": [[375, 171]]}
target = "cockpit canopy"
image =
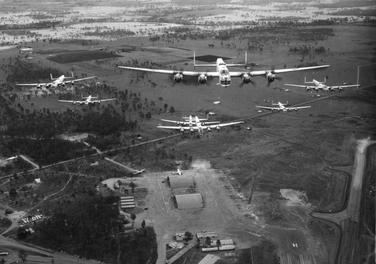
{"points": [[223, 72]]}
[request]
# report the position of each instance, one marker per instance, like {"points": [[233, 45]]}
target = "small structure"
{"points": [[189, 201], [209, 259], [26, 50], [37, 180], [174, 244], [202, 236], [216, 244], [31, 219], [74, 137], [179, 236], [127, 202]]}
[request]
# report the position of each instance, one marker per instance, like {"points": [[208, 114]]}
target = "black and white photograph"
{"points": [[187, 132]]}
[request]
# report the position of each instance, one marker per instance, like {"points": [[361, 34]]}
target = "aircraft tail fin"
{"points": [[52, 78], [194, 59], [305, 80]]}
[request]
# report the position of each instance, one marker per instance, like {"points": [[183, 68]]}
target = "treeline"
{"points": [[36, 25], [47, 124], [21, 71], [91, 227], [308, 49], [278, 32]]}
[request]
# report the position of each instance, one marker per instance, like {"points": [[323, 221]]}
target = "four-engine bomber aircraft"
{"points": [[282, 107], [57, 82], [199, 127], [191, 120], [88, 100], [321, 85], [222, 72]]}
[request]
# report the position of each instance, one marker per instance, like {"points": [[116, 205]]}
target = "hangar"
{"points": [[189, 201], [177, 182]]}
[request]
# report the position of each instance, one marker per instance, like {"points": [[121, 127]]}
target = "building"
{"points": [[127, 202], [178, 182], [189, 201], [74, 137]]}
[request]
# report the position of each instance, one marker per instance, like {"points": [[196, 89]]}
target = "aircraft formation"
{"points": [[194, 123]]}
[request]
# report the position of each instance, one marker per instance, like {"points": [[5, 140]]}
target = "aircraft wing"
{"points": [[298, 107], [104, 100], [263, 72], [343, 86], [175, 122], [80, 79], [69, 101], [268, 107], [32, 84], [223, 124], [237, 74], [186, 73], [297, 85], [175, 127], [210, 122]]}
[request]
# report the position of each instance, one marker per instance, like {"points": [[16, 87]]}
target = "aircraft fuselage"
{"points": [[224, 74]]}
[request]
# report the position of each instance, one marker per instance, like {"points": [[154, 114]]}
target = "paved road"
{"points": [[352, 209], [97, 154], [27, 159], [348, 219]]}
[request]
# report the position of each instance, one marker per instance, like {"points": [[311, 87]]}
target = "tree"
{"points": [[133, 186], [208, 241], [22, 255], [188, 236], [12, 194], [133, 218], [218, 243]]}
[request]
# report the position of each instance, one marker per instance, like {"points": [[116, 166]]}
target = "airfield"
{"points": [[258, 184]]}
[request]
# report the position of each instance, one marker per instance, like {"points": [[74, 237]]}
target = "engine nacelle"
{"points": [[202, 78], [178, 77], [246, 78], [218, 127], [270, 76], [181, 129]]}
